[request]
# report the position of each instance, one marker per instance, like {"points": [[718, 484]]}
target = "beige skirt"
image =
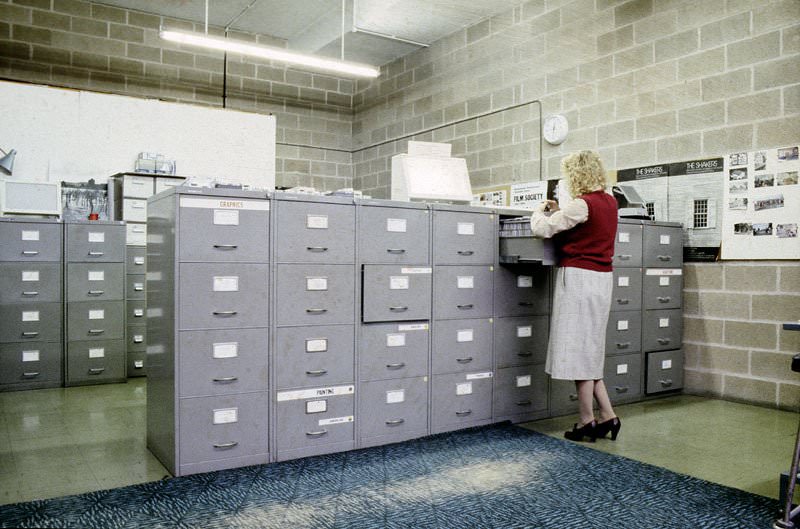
{"points": [[582, 300]]}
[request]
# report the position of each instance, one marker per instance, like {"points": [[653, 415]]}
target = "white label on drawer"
{"points": [[395, 396], [664, 239], [317, 345], [138, 260], [30, 275], [663, 281], [138, 364], [224, 203], [395, 340], [666, 364], [300, 394], [623, 281], [138, 313], [225, 350], [524, 282], [316, 406], [226, 217], [663, 322], [465, 228], [30, 356], [465, 388], [336, 420], [413, 327], [398, 282], [226, 415], [466, 282], [30, 315], [523, 381], [99, 314], [226, 283], [624, 236], [622, 369], [524, 331], [476, 376], [138, 287], [622, 325], [316, 283], [97, 275], [465, 335], [97, 352], [417, 270], [138, 338], [97, 236], [317, 222], [30, 235], [664, 272], [396, 225]]}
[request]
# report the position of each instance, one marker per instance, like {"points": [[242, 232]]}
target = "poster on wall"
{"points": [[761, 207], [491, 196]]}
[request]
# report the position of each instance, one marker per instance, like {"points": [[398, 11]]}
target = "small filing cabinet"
{"points": [[95, 302], [31, 304]]}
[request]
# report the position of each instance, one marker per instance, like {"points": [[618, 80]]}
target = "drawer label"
{"points": [[225, 350], [395, 396], [622, 369], [666, 364], [622, 325], [476, 376], [30, 315], [524, 282], [224, 203], [417, 270], [99, 314], [30, 275], [623, 281], [466, 281], [398, 283], [663, 239], [138, 260], [464, 388], [97, 352], [523, 381], [316, 406], [301, 394], [226, 217], [226, 283], [664, 272], [30, 235], [317, 345], [624, 236], [465, 335], [317, 222], [138, 338], [396, 225], [524, 331], [396, 340], [30, 356], [336, 420], [465, 228], [97, 275], [138, 313], [97, 236], [226, 415], [663, 281], [138, 364], [138, 287], [413, 327], [316, 283], [663, 322]]}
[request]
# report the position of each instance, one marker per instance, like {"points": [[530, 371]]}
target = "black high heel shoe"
{"points": [[611, 425], [588, 430]]}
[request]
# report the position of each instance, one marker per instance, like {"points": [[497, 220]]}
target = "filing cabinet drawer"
{"points": [[462, 292], [310, 232], [663, 288], [662, 329], [315, 420], [627, 293], [664, 371], [95, 242], [563, 397], [136, 311], [663, 246], [521, 291], [136, 286], [222, 362], [223, 229], [628, 245], [30, 241], [163, 183], [520, 390], [137, 363], [222, 427], [315, 294], [95, 361], [463, 238], [462, 345], [136, 338], [460, 399], [30, 362], [137, 186], [136, 234], [223, 296], [394, 407], [394, 235], [314, 356], [623, 377], [30, 322], [395, 293], [624, 333], [391, 350], [95, 281], [521, 341], [134, 210], [27, 282], [135, 260], [95, 320]]}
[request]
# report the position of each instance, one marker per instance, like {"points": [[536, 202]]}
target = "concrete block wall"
{"points": [[86, 45]]}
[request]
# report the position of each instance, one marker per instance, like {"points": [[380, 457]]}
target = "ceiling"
{"points": [[315, 26]]}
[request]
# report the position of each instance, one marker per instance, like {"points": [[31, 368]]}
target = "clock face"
{"points": [[555, 129]]}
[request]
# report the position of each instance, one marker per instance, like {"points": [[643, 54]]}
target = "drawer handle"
{"points": [[665, 299], [96, 331], [525, 354], [316, 311], [623, 301], [226, 446], [96, 370], [666, 383], [466, 360], [665, 258], [623, 345], [30, 293], [468, 306], [398, 309], [463, 413], [395, 250], [317, 248], [320, 433], [465, 252], [96, 292], [621, 389], [398, 365], [30, 334], [30, 252], [225, 313], [573, 396], [226, 246], [395, 422], [524, 403], [663, 341], [625, 257], [226, 379], [317, 372], [525, 304], [32, 374], [138, 288], [96, 254]]}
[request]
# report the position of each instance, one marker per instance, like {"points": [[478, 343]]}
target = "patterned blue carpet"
{"points": [[495, 477]]}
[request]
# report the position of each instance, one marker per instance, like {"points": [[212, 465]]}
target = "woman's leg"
{"points": [[600, 393], [585, 404]]}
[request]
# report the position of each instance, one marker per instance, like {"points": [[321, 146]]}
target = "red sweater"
{"points": [[590, 244]]}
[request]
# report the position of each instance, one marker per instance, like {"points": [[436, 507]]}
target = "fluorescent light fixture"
{"points": [[274, 54]]}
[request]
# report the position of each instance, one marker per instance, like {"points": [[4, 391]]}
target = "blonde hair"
{"points": [[584, 172]]}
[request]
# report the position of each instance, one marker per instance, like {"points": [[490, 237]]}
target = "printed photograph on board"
{"points": [[787, 179], [771, 202], [742, 228], [764, 180], [785, 231], [762, 228], [788, 154], [739, 203], [738, 158], [739, 186], [760, 160], [79, 200], [738, 174]]}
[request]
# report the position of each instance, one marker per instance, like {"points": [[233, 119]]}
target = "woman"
{"points": [[583, 231]]}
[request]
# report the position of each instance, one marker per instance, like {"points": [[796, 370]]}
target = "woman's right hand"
{"points": [[551, 206]]}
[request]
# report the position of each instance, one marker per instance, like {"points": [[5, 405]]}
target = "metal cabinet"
{"points": [[628, 244], [463, 237], [460, 400], [314, 355], [95, 242], [664, 371], [96, 361], [521, 291], [662, 245], [662, 288], [95, 320], [30, 322], [95, 281], [462, 345], [393, 410], [627, 293], [30, 364], [136, 260], [462, 292], [315, 294], [391, 350], [396, 293], [624, 332], [520, 390], [662, 329], [520, 341], [134, 209], [623, 377], [394, 235], [30, 282], [315, 232], [30, 240]]}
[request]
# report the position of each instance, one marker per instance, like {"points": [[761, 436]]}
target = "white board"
{"points": [[73, 135]]}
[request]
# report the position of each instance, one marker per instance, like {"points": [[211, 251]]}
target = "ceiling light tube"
{"points": [[274, 54]]}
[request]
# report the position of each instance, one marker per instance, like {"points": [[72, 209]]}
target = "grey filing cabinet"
{"points": [[31, 304], [464, 254], [394, 256], [94, 281], [208, 283], [315, 314]]}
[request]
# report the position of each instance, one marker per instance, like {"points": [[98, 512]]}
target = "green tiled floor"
{"points": [[57, 442]]}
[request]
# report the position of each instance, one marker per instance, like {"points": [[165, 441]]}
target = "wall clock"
{"points": [[555, 129]]}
